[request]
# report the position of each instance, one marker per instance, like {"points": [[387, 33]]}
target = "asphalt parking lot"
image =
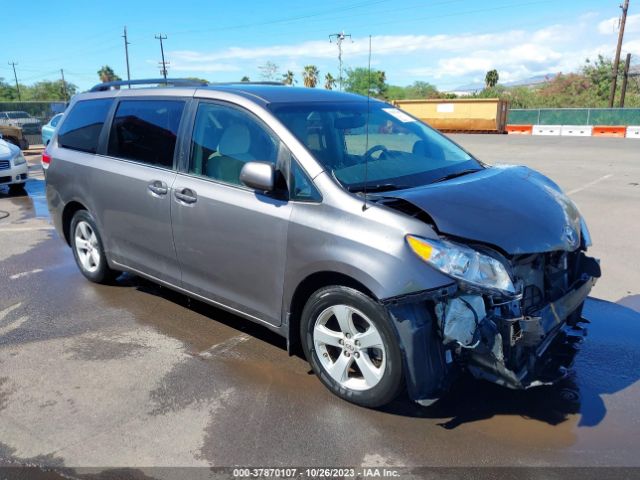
{"points": [[134, 375]]}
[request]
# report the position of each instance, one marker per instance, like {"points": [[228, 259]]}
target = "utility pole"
{"points": [[126, 54], [64, 86], [164, 64], [616, 61], [13, 64], [339, 37], [625, 78]]}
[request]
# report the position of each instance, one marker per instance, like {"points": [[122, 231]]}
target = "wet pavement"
{"points": [[134, 375]]}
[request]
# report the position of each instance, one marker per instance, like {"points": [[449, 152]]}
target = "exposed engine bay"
{"points": [[505, 340]]}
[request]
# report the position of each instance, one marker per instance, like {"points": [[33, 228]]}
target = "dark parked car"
{"points": [[391, 256]]}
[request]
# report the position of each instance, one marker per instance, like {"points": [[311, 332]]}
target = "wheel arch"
{"points": [[305, 289], [69, 211]]}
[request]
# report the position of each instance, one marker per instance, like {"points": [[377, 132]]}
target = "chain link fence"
{"points": [[574, 116], [30, 116]]}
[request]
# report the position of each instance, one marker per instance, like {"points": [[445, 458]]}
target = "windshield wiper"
{"points": [[456, 174], [376, 187]]}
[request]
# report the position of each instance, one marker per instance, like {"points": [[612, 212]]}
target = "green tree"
{"points": [[289, 78], [107, 74], [421, 90], [198, 79], [491, 78], [360, 80], [245, 79], [7, 91], [329, 82], [48, 90], [310, 76]]}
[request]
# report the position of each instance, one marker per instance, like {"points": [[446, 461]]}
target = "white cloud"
{"points": [[445, 58], [610, 25]]}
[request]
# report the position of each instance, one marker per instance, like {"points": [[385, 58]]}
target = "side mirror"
{"points": [[259, 175]]}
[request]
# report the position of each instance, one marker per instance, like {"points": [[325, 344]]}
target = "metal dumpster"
{"points": [[488, 115]]}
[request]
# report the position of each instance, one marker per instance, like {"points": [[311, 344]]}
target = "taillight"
{"points": [[46, 158]]}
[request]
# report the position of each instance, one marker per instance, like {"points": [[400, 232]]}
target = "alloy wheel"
{"points": [[349, 347], [86, 244]]}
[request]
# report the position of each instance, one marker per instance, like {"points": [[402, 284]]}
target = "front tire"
{"points": [[348, 339], [88, 249]]}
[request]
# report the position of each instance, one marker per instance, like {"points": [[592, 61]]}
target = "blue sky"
{"points": [[445, 42]]}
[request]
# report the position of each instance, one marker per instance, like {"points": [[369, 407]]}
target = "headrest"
{"points": [[235, 140]]}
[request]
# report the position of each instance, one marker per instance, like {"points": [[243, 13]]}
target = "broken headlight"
{"points": [[463, 263]]}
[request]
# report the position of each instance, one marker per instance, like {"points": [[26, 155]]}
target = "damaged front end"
{"points": [[519, 334], [527, 339], [513, 245]]}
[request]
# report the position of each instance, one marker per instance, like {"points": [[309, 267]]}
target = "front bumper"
{"points": [[14, 174], [550, 337]]}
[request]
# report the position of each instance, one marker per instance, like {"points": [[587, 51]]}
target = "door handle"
{"points": [[186, 195], [158, 187]]}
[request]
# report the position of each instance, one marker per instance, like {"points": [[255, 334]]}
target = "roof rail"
{"points": [[182, 82], [249, 83]]}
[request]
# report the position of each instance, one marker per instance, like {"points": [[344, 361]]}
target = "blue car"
{"points": [[48, 129]]}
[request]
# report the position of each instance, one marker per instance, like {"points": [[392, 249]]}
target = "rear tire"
{"points": [[88, 249], [349, 341]]}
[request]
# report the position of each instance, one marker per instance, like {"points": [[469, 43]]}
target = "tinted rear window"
{"points": [[81, 129], [146, 131]]}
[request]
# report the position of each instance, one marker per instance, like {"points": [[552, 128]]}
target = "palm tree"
{"points": [[289, 78], [107, 74], [310, 76], [491, 79], [329, 81]]}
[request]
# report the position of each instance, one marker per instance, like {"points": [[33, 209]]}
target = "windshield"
{"points": [[400, 152]]}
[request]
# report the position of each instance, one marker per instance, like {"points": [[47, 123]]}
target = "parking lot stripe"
{"points": [[590, 184], [25, 229], [24, 274]]}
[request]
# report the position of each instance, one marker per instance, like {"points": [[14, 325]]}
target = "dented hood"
{"points": [[513, 208]]}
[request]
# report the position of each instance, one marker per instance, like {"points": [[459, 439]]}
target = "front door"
{"points": [[230, 240]]}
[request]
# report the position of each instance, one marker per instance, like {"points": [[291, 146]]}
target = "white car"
{"points": [[13, 167]]}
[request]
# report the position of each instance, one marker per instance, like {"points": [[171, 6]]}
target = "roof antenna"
{"points": [[366, 144]]}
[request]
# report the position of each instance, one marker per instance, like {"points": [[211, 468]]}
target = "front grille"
{"points": [[5, 165]]}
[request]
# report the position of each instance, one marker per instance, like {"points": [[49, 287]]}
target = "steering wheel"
{"points": [[381, 148]]}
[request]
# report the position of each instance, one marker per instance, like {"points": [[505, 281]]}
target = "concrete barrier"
{"points": [[546, 130], [609, 131], [633, 131], [519, 129], [576, 130]]}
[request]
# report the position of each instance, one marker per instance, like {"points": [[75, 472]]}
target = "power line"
{"points": [[340, 37], [164, 64], [15, 76], [616, 62], [64, 86], [126, 53]]}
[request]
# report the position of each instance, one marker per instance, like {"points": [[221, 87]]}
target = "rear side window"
{"points": [[145, 131], [81, 129]]}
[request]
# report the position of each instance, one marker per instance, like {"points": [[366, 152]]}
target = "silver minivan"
{"points": [[381, 250]]}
